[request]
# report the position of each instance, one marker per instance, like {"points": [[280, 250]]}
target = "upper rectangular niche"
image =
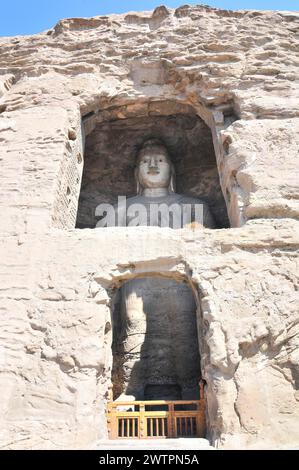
{"points": [[110, 157]]}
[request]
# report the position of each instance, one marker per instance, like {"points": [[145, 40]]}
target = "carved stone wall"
{"points": [[237, 71]]}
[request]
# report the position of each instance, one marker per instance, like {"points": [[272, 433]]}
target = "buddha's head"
{"points": [[153, 167]]}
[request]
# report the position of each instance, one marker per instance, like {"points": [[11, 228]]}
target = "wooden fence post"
{"points": [[142, 422], [172, 427]]}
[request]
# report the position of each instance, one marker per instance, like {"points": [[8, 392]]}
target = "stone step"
{"points": [[154, 444]]}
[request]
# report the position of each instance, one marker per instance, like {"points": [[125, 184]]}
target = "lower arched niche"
{"points": [[155, 341]]}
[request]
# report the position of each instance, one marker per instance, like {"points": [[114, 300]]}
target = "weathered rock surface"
{"points": [[238, 72], [154, 444]]}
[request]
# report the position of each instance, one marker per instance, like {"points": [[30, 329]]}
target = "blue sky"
{"points": [[33, 16]]}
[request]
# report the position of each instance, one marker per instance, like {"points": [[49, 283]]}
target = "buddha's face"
{"points": [[154, 168]]}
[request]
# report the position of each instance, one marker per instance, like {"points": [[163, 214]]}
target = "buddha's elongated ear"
{"points": [[138, 186], [172, 184]]}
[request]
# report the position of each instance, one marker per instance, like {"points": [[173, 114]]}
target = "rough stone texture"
{"points": [[237, 71], [56, 328], [155, 444], [226, 65]]}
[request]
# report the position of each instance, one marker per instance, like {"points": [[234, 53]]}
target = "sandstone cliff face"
{"points": [[238, 72]]}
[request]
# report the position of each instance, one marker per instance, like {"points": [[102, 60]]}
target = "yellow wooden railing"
{"points": [[156, 419]]}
